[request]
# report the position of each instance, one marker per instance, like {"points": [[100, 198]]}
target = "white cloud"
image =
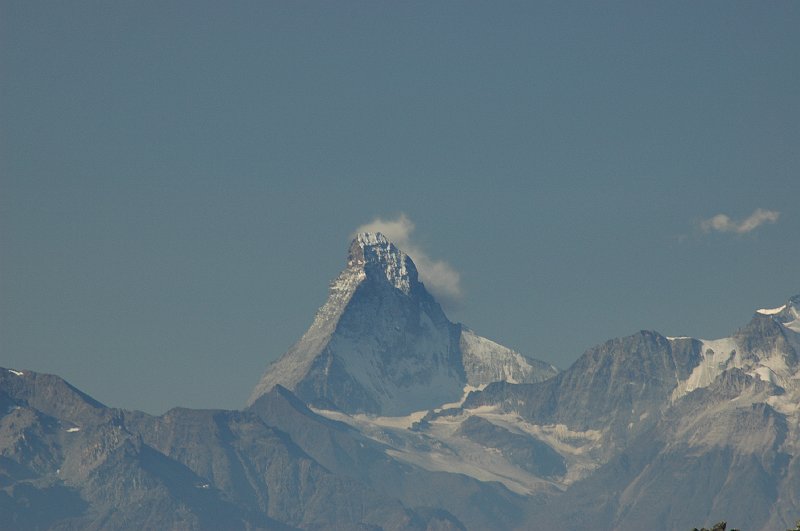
{"points": [[441, 279], [397, 230], [723, 222]]}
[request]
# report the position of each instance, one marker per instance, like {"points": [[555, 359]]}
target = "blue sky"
{"points": [[179, 180]]}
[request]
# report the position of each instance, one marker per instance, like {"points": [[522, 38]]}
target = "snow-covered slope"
{"points": [[767, 348], [486, 361], [381, 344]]}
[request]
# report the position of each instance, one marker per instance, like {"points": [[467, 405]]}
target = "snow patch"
{"points": [[372, 238], [467, 390], [764, 373], [18, 373], [718, 355], [724, 354], [481, 464], [360, 419], [771, 311], [786, 405], [439, 448], [486, 361]]}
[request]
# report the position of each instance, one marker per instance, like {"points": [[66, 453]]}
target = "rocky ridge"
{"points": [[386, 415]]}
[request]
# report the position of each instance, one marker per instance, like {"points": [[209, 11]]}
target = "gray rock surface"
{"points": [[187, 469], [382, 345]]}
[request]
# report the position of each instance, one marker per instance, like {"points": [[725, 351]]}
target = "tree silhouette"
{"points": [[719, 526]]}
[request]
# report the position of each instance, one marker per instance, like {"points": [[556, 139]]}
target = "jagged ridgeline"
{"points": [[381, 344], [385, 415]]}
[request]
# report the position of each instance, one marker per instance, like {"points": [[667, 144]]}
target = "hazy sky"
{"points": [[179, 180]]}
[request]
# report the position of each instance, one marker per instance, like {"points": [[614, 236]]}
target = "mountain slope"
{"points": [[187, 469], [690, 430], [617, 388], [381, 344], [387, 416]]}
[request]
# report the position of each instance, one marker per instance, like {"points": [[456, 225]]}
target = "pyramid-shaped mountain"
{"points": [[381, 344]]}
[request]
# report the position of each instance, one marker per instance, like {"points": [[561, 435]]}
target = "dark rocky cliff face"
{"points": [[765, 334]]}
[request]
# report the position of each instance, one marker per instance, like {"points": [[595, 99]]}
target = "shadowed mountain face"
{"points": [[188, 469], [381, 344], [363, 425]]}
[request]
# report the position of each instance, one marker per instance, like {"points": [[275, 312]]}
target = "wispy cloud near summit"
{"points": [[438, 276], [724, 223]]}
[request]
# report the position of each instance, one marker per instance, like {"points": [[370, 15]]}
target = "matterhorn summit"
{"points": [[382, 345]]}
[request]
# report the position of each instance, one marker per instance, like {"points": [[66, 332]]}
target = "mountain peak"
{"points": [[788, 314], [381, 344], [379, 258], [371, 238], [771, 311], [792, 302]]}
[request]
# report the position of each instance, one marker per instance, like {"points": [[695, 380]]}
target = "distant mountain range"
{"points": [[386, 415]]}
